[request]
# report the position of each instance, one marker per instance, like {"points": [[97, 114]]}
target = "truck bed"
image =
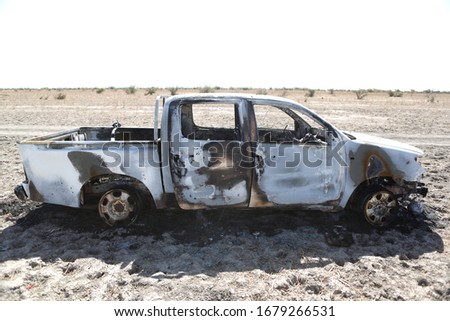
{"points": [[58, 166], [96, 134]]}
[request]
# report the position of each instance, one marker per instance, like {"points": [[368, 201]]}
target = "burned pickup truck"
{"points": [[224, 150]]}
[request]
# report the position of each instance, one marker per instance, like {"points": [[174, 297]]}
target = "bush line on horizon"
{"points": [[309, 93]]}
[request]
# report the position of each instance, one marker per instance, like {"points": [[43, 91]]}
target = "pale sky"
{"points": [[344, 44]]}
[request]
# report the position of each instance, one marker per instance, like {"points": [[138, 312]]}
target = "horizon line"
{"points": [[245, 88]]}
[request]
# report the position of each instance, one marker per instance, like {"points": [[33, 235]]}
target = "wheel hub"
{"points": [[117, 206], [379, 209]]}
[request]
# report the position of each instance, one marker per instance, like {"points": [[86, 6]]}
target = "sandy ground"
{"points": [[54, 253]]}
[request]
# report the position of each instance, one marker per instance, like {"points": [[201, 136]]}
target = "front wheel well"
{"points": [[364, 186]]}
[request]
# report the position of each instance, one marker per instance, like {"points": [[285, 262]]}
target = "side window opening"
{"points": [[283, 125], [210, 121]]}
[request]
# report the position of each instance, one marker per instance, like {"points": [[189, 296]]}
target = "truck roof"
{"points": [[267, 98]]}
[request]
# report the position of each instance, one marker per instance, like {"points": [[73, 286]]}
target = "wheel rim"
{"points": [[117, 205], [380, 208]]}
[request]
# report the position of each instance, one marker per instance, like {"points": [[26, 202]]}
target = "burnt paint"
{"points": [[225, 169], [34, 193], [258, 197], [88, 165], [376, 167], [360, 170], [223, 178]]}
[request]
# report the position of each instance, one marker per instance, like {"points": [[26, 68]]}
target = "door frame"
{"points": [[207, 186]]}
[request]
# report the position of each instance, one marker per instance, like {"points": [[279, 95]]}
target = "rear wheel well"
{"points": [[94, 188]]}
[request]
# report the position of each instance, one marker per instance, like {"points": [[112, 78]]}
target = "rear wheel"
{"points": [[119, 206], [378, 206]]}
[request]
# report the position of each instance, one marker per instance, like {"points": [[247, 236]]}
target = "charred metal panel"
{"points": [[375, 156], [209, 172], [56, 173], [51, 176], [211, 176], [295, 174], [375, 167], [139, 160], [371, 157], [87, 164]]}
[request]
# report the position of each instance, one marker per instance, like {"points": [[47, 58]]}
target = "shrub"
{"points": [[173, 90], [360, 94], [396, 93], [331, 91], [431, 97], [130, 90], [261, 91], [150, 91], [310, 93], [206, 89], [100, 90], [60, 96]]}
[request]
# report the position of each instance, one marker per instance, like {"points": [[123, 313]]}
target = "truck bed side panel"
{"points": [[56, 174]]}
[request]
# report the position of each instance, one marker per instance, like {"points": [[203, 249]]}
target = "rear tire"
{"points": [[378, 206], [119, 206]]}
